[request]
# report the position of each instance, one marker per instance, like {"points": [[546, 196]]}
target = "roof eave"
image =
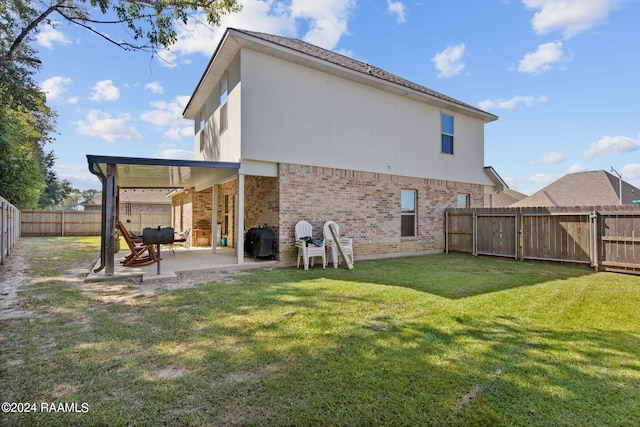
{"points": [[288, 53], [501, 185], [243, 39]]}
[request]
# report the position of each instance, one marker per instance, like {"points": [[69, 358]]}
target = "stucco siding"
{"points": [[295, 114]]}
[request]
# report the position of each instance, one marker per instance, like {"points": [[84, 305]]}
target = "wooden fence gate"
{"points": [[606, 238]]}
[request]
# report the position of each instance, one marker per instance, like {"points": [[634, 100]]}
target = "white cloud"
{"points": [[613, 145], [576, 167], [571, 17], [99, 124], [154, 87], [397, 8], [78, 175], [326, 22], [174, 153], [553, 158], [531, 184], [55, 86], [543, 59], [631, 171], [449, 62], [510, 104], [166, 113], [179, 133], [48, 35], [105, 91], [169, 114]]}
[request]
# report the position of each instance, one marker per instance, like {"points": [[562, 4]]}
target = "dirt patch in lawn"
{"points": [[13, 278]]}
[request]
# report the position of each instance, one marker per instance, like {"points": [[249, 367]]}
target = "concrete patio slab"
{"points": [[177, 261]]}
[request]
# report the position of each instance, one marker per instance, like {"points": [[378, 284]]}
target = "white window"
{"points": [[408, 212]]}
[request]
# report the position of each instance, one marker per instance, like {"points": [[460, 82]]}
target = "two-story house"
{"points": [[320, 136]]}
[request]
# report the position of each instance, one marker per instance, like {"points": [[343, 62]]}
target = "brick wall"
{"points": [[188, 208], [367, 207], [261, 206], [229, 189]]}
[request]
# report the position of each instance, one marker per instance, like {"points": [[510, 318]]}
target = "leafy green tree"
{"points": [[150, 23], [55, 191], [21, 179], [26, 124]]}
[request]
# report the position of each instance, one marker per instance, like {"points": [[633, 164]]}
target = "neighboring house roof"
{"points": [[326, 60], [507, 197], [139, 196], [582, 189]]}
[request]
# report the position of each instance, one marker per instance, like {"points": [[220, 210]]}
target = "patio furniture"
{"points": [[141, 254], [308, 247], [345, 242], [182, 240]]}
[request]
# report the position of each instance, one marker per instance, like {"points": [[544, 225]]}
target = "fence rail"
{"points": [[80, 223], [604, 237], [9, 228]]}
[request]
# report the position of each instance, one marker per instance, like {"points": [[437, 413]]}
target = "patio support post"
{"points": [[214, 217], [110, 218], [240, 228]]}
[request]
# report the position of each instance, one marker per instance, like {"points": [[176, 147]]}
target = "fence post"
{"points": [[9, 228], [446, 232], [474, 231], [596, 238]]}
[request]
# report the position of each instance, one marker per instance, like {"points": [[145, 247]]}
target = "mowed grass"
{"points": [[442, 340]]}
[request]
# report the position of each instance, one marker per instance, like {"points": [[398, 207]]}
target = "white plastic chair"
{"points": [[308, 250], [345, 242]]}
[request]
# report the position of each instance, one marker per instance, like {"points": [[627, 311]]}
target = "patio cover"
{"points": [[136, 172]]}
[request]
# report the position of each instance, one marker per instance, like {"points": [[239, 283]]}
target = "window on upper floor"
{"points": [[201, 121], [408, 213], [223, 102], [446, 123]]}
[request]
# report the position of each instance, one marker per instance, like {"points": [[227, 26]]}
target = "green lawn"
{"points": [[442, 340]]}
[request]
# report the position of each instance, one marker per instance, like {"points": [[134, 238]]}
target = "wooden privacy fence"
{"points": [[604, 237], [9, 228], [80, 223]]}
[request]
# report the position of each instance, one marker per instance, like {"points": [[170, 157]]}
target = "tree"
{"points": [[55, 191], [26, 124], [21, 179], [150, 23]]}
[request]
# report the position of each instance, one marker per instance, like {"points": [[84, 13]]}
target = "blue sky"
{"points": [[562, 75]]}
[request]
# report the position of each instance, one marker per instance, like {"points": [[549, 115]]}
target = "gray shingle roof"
{"points": [[582, 189], [507, 197]]}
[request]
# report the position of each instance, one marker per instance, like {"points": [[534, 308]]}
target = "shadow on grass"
{"points": [[452, 276], [290, 347]]}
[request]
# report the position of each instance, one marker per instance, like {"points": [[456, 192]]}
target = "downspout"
{"points": [[103, 224]]}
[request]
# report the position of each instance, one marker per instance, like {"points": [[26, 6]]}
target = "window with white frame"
{"points": [[408, 213], [446, 124]]}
